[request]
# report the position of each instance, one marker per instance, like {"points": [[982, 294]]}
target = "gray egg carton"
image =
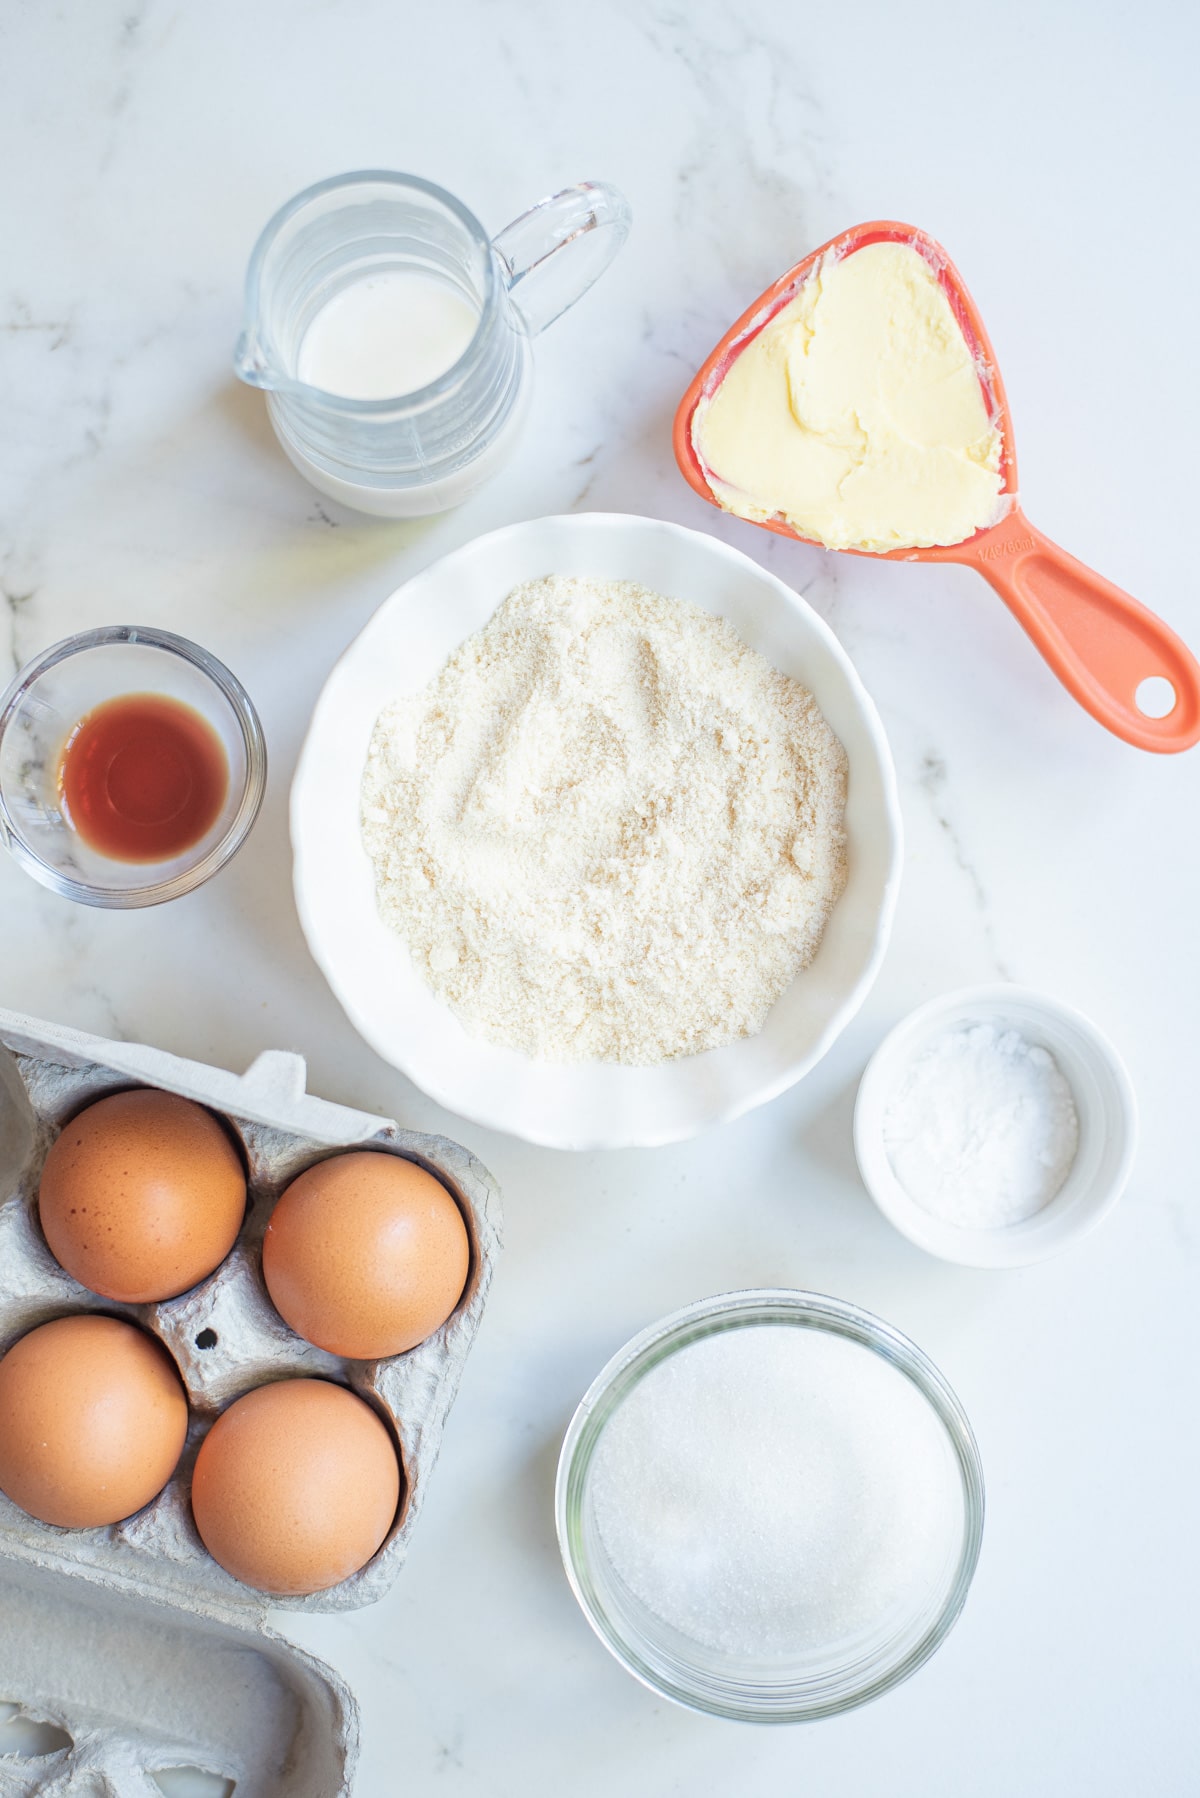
{"points": [[225, 1337]]}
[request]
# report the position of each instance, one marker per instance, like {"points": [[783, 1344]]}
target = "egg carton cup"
{"points": [[225, 1338]]}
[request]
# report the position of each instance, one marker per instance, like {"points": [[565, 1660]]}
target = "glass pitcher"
{"points": [[423, 451]]}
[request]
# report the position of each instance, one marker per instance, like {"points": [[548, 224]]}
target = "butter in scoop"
{"points": [[857, 415]]}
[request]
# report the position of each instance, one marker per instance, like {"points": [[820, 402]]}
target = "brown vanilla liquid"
{"points": [[142, 778]]}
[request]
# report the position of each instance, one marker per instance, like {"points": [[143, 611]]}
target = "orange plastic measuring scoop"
{"points": [[1101, 643]]}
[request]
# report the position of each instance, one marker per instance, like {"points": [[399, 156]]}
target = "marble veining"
{"points": [[932, 781]]}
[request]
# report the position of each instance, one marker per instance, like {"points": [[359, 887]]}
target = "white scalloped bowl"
{"points": [[581, 1105]]}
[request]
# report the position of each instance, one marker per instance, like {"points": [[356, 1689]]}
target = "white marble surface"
{"points": [[1051, 146]]}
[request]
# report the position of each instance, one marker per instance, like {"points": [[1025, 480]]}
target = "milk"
{"points": [[386, 335]]}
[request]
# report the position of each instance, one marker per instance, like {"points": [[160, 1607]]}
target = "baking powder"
{"points": [[982, 1130]]}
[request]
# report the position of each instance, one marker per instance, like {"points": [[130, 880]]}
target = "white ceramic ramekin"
{"points": [[1104, 1100]]}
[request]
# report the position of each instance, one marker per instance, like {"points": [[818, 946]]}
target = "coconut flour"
{"points": [[607, 829]]}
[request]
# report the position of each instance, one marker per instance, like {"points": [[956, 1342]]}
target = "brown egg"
{"points": [[295, 1486], [142, 1195], [366, 1255], [93, 1417]]}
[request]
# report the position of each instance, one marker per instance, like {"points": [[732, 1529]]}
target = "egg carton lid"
{"points": [[132, 1685]]}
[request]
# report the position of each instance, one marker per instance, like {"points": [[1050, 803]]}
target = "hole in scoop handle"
{"points": [[551, 254], [1101, 643]]}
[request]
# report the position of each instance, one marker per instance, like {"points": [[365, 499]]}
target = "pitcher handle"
{"points": [[550, 256]]}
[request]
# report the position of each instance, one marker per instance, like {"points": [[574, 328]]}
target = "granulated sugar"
{"points": [[774, 1491], [982, 1130], [607, 829]]}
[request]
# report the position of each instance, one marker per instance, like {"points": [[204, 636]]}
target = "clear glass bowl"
{"points": [[44, 704], [772, 1687]]}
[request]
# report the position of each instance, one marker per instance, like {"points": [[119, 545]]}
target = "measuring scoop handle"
{"points": [[1101, 643]]}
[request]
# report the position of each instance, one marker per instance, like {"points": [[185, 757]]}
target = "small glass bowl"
{"points": [[766, 1689], [45, 703]]}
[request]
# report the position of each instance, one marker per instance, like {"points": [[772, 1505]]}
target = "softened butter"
{"points": [[857, 414]]}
